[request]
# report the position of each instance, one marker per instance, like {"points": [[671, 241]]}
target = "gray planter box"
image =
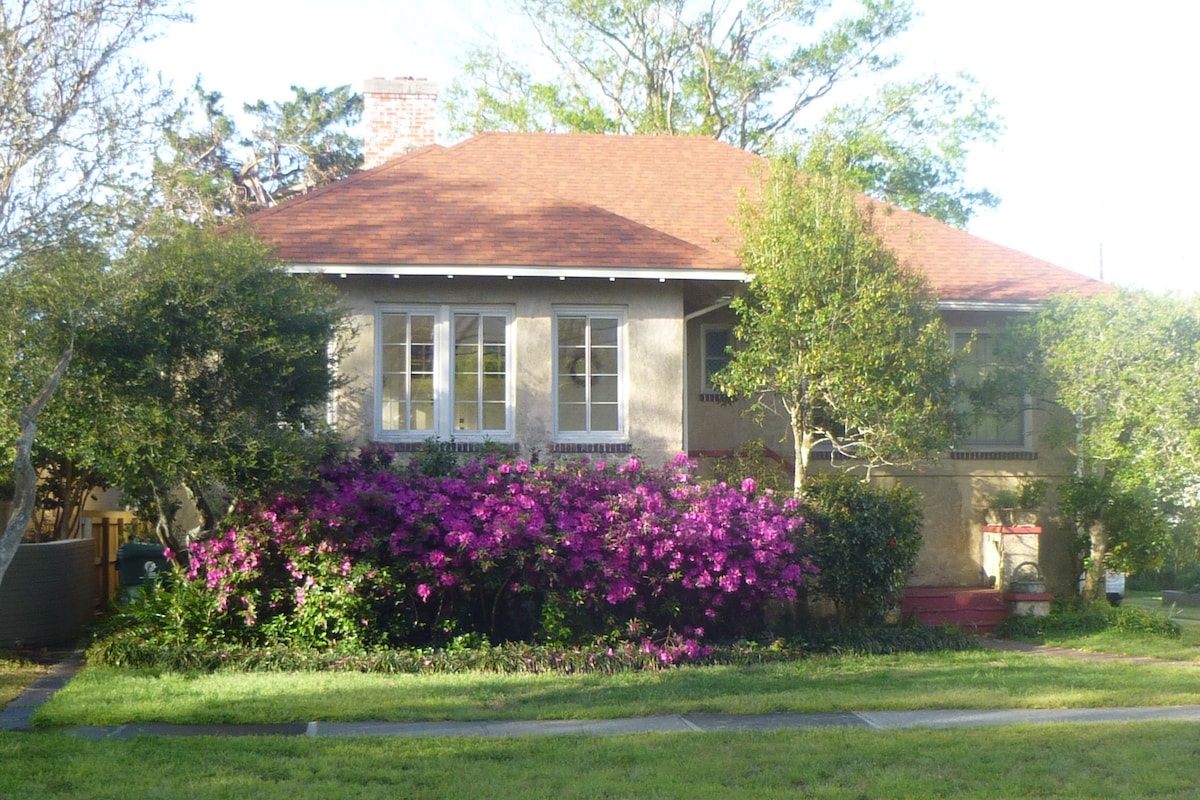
{"points": [[48, 593]]}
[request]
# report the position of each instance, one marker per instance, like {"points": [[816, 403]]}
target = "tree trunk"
{"points": [[24, 475], [1093, 582], [802, 443]]}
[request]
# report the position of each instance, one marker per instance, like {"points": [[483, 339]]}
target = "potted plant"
{"points": [[1017, 507]]}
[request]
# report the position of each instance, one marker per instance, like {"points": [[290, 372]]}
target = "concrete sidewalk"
{"points": [[16, 716], [685, 723]]}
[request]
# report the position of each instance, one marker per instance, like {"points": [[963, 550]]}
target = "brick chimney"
{"points": [[399, 115]]}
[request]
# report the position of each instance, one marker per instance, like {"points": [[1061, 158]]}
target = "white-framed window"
{"points": [[716, 342], [590, 374], [443, 371], [1002, 418]]}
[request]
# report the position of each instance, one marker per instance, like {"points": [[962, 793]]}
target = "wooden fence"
{"points": [[108, 530]]}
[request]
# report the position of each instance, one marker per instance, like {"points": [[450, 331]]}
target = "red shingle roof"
{"points": [[576, 200]]}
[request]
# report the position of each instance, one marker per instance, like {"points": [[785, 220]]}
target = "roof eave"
{"points": [[529, 271], [1011, 306]]}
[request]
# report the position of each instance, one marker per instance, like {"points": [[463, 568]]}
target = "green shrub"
{"points": [[754, 460], [1077, 619], [863, 540], [145, 648]]}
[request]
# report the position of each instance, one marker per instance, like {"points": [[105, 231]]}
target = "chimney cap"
{"points": [[399, 86]]}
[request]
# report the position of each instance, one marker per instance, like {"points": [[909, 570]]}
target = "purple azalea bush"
{"points": [[378, 554]]}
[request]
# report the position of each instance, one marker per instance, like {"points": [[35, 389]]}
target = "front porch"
{"points": [[973, 609]]}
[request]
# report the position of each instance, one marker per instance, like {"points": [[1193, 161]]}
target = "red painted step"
{"points": [[973, 609]]}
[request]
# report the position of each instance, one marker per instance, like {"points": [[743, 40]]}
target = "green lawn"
{"points": [[1185, 648], [974, 679], [1187, 616], [1130, 761]]}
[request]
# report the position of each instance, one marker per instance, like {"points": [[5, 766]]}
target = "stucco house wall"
{"points": [[653, 377]]}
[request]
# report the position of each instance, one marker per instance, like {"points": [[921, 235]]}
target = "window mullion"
{"points": [[587, 373], [443, 359]]}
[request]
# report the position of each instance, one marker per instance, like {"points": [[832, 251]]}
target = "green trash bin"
{"points": [[137, 562]]}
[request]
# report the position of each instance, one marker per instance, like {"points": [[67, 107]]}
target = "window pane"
{"points": [[571, 331], [493, 330], [421, 403], [604, 417], [604, 361], [466, 416], [495, 417], [392, 402], [572, 417], [395, 358], [466, 328], [422, 329], [421, 418], [571, 390], [466, 387], [604, 331], [494, 359], [715, 343], [572, 362], [466, 358], [422, 388], [604, 389], [393, 328], [422, 358], [494, 389]]}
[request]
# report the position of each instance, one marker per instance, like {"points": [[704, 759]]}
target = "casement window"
{"points": [[996, 411], [443, 371], [716, 354], [589, 374]]}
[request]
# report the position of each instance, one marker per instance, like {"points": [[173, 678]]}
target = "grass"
{"points": [[1127, 760], [15, 675], [1185, 648], [1187, 616], [972, 679], [1130, 761]]}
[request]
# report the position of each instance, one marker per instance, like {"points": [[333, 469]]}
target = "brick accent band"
{"points": [[993, 455], [584, 447]]}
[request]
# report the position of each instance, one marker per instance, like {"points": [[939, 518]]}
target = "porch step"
{"points": [[977, 610]]}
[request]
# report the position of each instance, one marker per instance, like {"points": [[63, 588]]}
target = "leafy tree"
{"points": [[47, 301], [77, 115], [213, 173], [746, 73], [213, 370], [1127, 365], [908, 145], [832, 333]]}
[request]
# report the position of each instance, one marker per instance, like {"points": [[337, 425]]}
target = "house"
{"points": [[568, 294]]}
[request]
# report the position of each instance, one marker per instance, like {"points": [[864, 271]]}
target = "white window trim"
{"points": [[443, 388], [621, 435], [1026, 409]]}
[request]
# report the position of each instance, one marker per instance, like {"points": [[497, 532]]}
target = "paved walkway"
{"points": [[17, 715]]}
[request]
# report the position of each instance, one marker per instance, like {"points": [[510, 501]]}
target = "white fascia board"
{"points": [[1027, 307], [446, 271]]}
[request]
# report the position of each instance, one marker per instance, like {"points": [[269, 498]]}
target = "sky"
{"points": [[1095, 170]]}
